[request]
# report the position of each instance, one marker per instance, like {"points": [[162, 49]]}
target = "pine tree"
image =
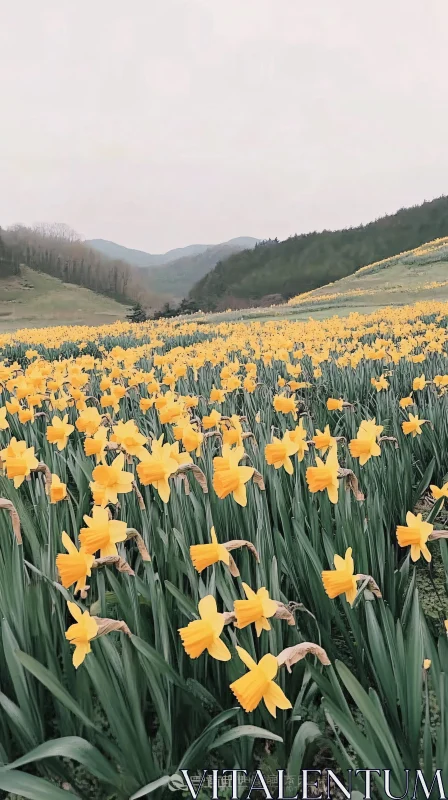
{"points": [[137, 313]]}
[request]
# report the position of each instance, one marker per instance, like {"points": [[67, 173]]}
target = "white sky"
{"points": [[159, 123]]}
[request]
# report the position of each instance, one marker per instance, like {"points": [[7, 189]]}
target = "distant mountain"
{"points": [[138, 258], [178, 277], [274, 271]]}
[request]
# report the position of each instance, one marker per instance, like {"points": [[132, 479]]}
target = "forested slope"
{"points": [[274, 270], [58, 251]]}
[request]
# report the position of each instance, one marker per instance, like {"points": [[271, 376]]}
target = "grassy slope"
{"points": [[400, 280], [176, 278], [36, 300], [306, 262]]}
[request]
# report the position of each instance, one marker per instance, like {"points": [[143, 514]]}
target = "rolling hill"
{"points": [[177, 277], [139, 258], [33, 299], [274, 270], [420, 274], [56, 250]]}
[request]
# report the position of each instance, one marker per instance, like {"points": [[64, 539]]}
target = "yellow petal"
{"points": [[207, 607], [75, 611], [246, 658], [219, 650]]}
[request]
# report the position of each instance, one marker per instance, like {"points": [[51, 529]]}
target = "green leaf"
{"points": [[370, 712], [424, 482], [157, 661], [244, 730], [77, 749], [308, 732], [201, 745], [151, 787], [47, 678], [30, 787], [184, 602]]}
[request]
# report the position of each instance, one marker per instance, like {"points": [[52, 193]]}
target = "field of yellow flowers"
{"points": [[212, 544]]}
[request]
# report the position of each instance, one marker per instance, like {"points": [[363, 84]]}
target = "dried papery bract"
{"points": [[108, 561], [437, 535], [196, 472], [8, 506], [109, 625], [291, 655], [131, 533], [389, 439], [46, 472], [234, 544], [351, 482], [258, 480], [370, 584], [139, 496], [283, 612]]}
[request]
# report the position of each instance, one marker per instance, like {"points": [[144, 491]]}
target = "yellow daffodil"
{"points": [[419, 383], [75, 566], [81, 633], [89, 421], [102, 533], [212, 420], [112, 479], [203, 634], [26, 415], [285, 405], [323, 440], [217, 395], [438, 493], [341, 579], [58, 490], [257, 608], [128, 436], [405, 402], [157, 466], [59, 431], [365, 445], [258, 684], [413, 425], [279, 451], [192, 439], [96, 445], [13, 406], [204, 555], [380, 383], [415, 533], [3, 422], [229, 477], [298, 435], [335, 405], [325, 476], [232, 431], [19, 460]]}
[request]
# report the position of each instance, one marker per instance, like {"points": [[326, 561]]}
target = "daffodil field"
{"points": [[222, 545]]}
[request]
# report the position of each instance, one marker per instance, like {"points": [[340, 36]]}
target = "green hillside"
{"points": [[32, 300], [418, 275], [273, 270], [57, 250], [177, 278]]}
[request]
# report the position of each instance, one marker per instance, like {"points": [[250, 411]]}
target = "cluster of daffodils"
{"points": [[142, 410]]}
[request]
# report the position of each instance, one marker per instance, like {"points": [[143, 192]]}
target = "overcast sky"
{"points": [[161, 123]]}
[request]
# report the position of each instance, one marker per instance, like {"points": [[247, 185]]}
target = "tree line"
{"points": [[57, 250], [274, 271], [9, 263]]}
